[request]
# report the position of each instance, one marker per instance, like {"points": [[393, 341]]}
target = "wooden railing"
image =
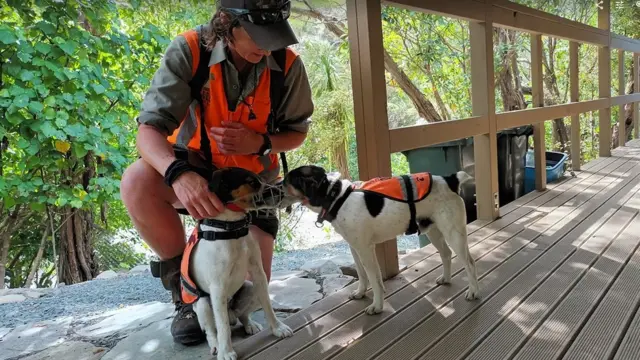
{"points": [[376, 142]]}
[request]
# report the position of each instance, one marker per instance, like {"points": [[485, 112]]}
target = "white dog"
{"points": [[368, 213], [214, 266]]}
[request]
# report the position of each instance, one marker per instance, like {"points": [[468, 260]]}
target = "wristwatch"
{"points": [[265, 149]]}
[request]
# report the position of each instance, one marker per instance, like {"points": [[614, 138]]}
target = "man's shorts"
{"points": [[265, 220]]}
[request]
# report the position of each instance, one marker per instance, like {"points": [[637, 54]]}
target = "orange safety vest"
{"points": [[408, 188], [216, 110]]}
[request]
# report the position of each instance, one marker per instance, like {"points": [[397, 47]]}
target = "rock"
{"points": [[127, 319], [349, 271], [12, 298], [333, 283], [30, 338], [294, 294], [321, 267], [4, 331], [140, 269], [109, 274], [155, 343], [343, 260], [284, 275], [34, 294], [76, 350]]}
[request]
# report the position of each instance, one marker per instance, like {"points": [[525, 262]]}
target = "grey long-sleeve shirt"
{"points": [[167, 100]]}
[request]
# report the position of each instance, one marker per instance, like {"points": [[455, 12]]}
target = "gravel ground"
{"points": [[98, 296]]}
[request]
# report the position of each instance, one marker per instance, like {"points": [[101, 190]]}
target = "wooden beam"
{"points": [[624, 99], [483, 103], [576, 153], [516, 118], [370, 102], [624, 43], [537, 91], [604, 79], [636, 89], [472, 10], [622, 119], [414, 137]]}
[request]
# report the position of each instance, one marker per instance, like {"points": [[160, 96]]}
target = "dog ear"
{"points": [[218, 186]]}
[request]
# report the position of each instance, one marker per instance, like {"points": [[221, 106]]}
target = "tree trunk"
{"points": [[424, 107], [77, 260], [436, 94], [36, 262], [9, 226], [340, 158], [630, 88], [510, 88]]}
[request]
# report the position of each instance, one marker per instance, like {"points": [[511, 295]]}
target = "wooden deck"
{"points": [[559, 275]]}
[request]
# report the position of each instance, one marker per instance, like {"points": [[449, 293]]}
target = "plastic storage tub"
{"points": [[555, 168]]}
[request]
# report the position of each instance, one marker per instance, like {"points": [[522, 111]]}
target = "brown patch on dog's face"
{"points": [[235, 185]]}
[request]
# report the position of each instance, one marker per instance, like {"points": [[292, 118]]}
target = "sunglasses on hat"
{"points": [[264, 16]]}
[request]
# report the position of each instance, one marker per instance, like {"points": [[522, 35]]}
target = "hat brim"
{"points": [[270, 37]]}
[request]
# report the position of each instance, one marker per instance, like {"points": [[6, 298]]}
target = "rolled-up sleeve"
{"points": [[167, 100], [296, 106]]}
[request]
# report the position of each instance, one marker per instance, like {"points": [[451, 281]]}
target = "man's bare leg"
{"points": [[151, 206]]}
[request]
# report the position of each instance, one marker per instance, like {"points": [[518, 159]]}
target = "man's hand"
{"points": [[193, 192], [236, 139]]}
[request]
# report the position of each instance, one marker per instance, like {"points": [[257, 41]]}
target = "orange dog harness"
{"points": [[405, 188], [230, 231]]}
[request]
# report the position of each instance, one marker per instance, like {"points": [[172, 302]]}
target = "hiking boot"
{"points": [[185, 328]]}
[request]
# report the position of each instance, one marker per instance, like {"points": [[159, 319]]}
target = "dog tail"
{"points": [[456, 180]]}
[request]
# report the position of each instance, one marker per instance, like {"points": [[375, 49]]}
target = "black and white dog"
{"points": [[217, 260], [364, 216]]}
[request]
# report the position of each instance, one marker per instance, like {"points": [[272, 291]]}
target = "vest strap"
{"points": [[413, 223]]}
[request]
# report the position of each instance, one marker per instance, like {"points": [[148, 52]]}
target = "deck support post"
{"points": [[370, 106]]}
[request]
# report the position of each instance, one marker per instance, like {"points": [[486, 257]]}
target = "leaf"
{"points": [[46, 27], [25, 57], [47, 129], [6, 35], [76, 203], [75, 130], [37, 206], [26, 75], [50, 101], [21, 100], [35, 107], [79, 151], [9, 202], [99, 89], [60, 122], [68, 47], [23, 143], [62, 146], [33, 148], [50, 114], [15, 117], [43, 48], [37, 181]]}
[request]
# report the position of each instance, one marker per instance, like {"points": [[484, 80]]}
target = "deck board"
{"points": [[556, 270]]}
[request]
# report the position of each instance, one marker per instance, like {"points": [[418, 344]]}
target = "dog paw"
{"points": [[282, 331], [472, 295], [213, 351], [372, 309], [213, 345], [442, 281], [229, 355], [252, 328], [356, 295]]}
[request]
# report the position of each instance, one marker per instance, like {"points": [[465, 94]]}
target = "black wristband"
{"points": [[177, 168]]}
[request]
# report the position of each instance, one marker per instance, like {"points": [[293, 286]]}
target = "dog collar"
{"points": [[328, 212], [230, 229]]}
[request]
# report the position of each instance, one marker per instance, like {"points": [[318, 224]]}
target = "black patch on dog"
{"points": [[425, 223], [311, 181], [453, 182], [225, 181], [374, 203]]}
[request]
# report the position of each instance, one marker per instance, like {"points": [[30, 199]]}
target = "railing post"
{"points": [[636, 89], [604, 78], [370, 105], [538, 101], [576, 153], [483, 103], [622, 119]]}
